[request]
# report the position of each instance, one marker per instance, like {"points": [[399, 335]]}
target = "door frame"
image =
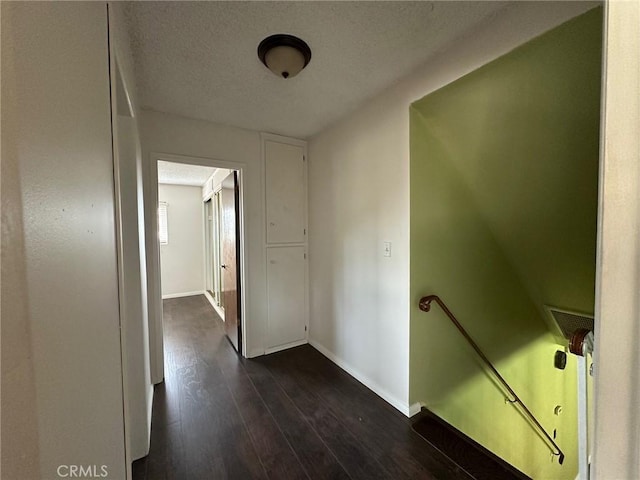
{"points": [[211, 251], [616, 446], [156, 335], [228, 306]]}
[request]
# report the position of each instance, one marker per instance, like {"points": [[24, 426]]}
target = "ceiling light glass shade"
{"points": [[284, 55], [284, 61]]}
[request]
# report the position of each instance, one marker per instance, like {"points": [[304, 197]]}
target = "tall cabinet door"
{"points": [[286, 193], [286, 243], [286, 306]]}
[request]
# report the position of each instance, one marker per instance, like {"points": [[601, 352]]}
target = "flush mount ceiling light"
{"points": [[285, 55]]}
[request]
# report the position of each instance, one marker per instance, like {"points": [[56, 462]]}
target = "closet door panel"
{"points": [[286, 280], [285, 193]]}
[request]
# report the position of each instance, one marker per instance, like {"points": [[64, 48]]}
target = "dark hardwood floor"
{"points": [[289, 415]]}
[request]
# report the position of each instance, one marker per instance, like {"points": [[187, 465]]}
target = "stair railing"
{"points": [[425, 306]]}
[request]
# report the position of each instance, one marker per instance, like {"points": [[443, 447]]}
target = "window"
{"points": [[163, 230]]}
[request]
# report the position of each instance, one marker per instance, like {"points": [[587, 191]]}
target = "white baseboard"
{"points": [[404, 408], [256, 352], [215, 305], [183, 294], [210, 298], [415, 408], [219, 310], [284, 347]]}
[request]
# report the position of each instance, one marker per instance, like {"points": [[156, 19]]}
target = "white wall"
{"points": [[19, 413], [139, 389], [359, 198], [230, 148], [182, 259], [61, 325], [130, 217]]}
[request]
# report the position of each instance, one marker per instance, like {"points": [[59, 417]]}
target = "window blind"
{"points": [[163, 228]]}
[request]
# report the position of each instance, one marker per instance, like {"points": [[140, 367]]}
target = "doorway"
{"points": [[222, 244], [230, 266], [202, 247]]}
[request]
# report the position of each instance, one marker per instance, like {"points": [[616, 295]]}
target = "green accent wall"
{"points": [[503, 199]]}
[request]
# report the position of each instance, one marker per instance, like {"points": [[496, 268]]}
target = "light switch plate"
{"points": [[386, 249]]}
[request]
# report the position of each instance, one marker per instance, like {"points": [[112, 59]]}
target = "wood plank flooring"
{"points": [[289, 415]]}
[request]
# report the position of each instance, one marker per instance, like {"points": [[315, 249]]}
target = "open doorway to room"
{"points": [[200, 233]]}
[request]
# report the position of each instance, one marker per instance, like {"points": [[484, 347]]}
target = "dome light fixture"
{"points": [[285, 55]]}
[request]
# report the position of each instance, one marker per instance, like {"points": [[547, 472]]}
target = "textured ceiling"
{"points": [[198, 59], [181, 174]]}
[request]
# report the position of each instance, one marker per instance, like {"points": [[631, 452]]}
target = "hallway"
{"points": [[288, 415]]}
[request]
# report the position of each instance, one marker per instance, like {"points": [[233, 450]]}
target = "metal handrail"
{"points": [[425, 306]]}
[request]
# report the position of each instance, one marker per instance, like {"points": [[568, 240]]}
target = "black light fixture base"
{"points": [[283, 40]]}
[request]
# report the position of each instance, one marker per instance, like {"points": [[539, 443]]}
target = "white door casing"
{"points": [[616, 446]]}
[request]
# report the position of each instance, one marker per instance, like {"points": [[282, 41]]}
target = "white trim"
{"points": [[240, 167], [183, 294], [205, 237], [285, 346], [215, 306], [583, 449], [256, 352], [202, 161], [154, 281], [403, 407], [210, 298], [150, 414], [115, 74], [282, 139], [415, 408], [615, 440], [219, 311]]}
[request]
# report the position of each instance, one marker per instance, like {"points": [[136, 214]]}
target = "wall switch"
{"points": [[386, 249]]}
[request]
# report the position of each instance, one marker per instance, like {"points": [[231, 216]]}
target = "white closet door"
{"points": [[286, 310], [285, 193]]}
